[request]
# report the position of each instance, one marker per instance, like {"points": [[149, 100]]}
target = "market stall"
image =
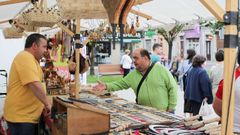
{"points": [[109, 114]]}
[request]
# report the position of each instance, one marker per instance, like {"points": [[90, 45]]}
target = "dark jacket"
{"points": [[198, 86]]}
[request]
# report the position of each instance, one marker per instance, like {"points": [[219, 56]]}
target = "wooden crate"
{"points": [[79, 119]]}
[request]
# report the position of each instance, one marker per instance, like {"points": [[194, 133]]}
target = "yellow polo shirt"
{"points": [[21, 105]]}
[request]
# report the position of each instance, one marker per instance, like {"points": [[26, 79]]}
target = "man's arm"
{"points": [[217, 106], [38, 91], [113, 86], [172, 92]]}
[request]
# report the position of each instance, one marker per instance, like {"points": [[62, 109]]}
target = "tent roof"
{"points": [[165, 11]]}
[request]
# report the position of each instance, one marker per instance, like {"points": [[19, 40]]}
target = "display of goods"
{"points": [[130, 118], [82, 9], [42, 17], [12, 33], [125, 115]]}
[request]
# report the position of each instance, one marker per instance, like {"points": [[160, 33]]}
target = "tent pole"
{"points": [[214, 8], [78, 46], [230, 18], [230, 50]]}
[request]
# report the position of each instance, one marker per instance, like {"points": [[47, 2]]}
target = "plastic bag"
{"points": [[205, 109], [3, 127]]}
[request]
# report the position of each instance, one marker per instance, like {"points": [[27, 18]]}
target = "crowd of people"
{"points": [[153, 83]]}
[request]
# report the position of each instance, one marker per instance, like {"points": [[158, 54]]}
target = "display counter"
{"points": [[92, 114]]}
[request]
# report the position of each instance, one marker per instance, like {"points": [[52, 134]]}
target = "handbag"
{"points": [[83, 66]]}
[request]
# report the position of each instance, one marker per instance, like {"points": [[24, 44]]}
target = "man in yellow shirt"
{"points": [[26, 97]]}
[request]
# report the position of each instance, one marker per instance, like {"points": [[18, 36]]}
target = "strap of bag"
{"points": [[188, 70], [143, 78]]}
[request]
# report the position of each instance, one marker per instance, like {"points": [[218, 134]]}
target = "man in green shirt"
{"points": [[158, 90]]}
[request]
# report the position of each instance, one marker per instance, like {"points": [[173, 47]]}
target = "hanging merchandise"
{"points": [[127, 29], [85, 33], [54, 46], [94, 36], [132, 30], [12, 33], [82, 9], [108, 30], [67, 45], [137, 22], [22, 25], [42, 17], [84, 64], [62, 47]]}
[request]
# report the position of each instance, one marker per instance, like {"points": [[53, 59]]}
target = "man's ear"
{"points": [[34, 45]]}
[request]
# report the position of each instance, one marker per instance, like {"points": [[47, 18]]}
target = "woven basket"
{"points": [[82, 9], [11, 33], [41, 17], [21, 24]]}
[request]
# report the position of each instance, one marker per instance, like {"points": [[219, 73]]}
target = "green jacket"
{"points": [[158, 90]]}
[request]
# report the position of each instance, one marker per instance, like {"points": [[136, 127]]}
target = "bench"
{"points": [[109, 69]]}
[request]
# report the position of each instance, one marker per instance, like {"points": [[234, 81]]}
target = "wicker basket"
{"points": [[12, 33], [82, 9], [21, 24], [41, 17]]}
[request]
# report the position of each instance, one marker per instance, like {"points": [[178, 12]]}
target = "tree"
{"points": [[170, 35], [215, 26]]}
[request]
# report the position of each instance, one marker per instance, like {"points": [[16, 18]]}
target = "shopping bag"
{"points": [[205, 109], [3, 127]]}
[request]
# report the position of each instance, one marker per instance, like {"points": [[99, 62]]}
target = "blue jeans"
{"points": [[22, 128]]}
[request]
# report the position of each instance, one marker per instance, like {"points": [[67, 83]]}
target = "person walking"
{"points": [[216, 72], [198, 87], [126, 62]]}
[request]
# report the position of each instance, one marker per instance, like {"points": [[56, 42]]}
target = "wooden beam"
{"points": [[12, 2], [230, 53], [141, 14], [77, 54], [148, 17], [138, 2], [214, 8], [5, 21], [63, 27], [125, 11]]}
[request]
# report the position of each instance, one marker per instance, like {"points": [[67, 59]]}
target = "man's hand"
{"points": [[170, 110], [100, 86], [47, 110]]}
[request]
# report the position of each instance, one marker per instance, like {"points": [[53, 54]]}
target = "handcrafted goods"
{"points": [[82, 9], [12, 33], [22, 25], [42, 17]]}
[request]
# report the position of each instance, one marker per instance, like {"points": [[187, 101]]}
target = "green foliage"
{"points": [[170, 35], [94, 78], [215, 26]]}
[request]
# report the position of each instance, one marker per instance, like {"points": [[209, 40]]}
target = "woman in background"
{"points": [[126, 62], [198, 87]]}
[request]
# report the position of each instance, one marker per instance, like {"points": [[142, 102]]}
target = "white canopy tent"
{"points": [[165, 11]]}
